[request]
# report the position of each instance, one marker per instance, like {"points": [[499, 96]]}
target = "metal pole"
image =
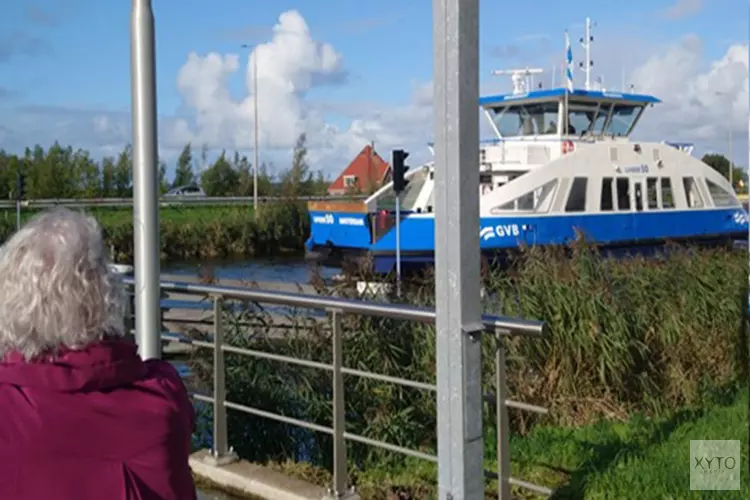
{"points": [[456, 77], [398, 245], [145, 182], [731, 159], [255, 131], [18, 215]]}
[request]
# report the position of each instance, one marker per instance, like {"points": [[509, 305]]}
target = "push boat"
{"points": [[561, 164]]}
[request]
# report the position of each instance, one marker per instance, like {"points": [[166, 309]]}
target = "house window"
{"points": [[350, 181]]}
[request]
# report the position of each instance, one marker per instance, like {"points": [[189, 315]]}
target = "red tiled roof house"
{"points": [[366, 173]]}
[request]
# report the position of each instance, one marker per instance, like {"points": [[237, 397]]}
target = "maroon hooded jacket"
{"points": [[94, 424]]}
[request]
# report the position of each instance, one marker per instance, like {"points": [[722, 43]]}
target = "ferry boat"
{"points": [[562, 162]]}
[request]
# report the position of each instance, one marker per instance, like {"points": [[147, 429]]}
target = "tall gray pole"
{"points": [[456, 81], [145, 179], [255, 130]]}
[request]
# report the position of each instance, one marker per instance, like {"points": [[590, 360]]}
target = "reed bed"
{"points": [[633, 336]]}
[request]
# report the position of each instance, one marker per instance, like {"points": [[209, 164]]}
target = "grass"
{"points": [[604, 460]]}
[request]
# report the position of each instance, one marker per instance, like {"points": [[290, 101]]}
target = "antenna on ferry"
{"points": [[523, 79], [586, 43]]}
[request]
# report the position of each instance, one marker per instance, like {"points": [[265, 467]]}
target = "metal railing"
{"points": [[166, 201], [336, 307]]}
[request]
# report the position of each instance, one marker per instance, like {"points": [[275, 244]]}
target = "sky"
{"points": [[350, 72]]}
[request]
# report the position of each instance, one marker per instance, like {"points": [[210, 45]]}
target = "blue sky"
{"points": [[72, 56]]}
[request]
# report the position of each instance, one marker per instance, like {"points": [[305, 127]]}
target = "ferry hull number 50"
{"points": [[344, 221]]}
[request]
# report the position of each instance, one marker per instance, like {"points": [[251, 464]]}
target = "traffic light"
{"points": [[399, 170], [20, 185]]}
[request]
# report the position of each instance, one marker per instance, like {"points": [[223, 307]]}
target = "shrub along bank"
{"points": [[636, 336], [202, 232]]}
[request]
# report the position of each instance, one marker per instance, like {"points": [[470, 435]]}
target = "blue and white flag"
{"points": [[569, 64]]}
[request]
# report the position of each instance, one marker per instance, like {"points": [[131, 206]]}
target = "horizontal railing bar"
{"points": [[277, 417], [530, 486], [277, 357], [503, 325], [201, 397], [388, 378], [526, 406], [391, 447]]}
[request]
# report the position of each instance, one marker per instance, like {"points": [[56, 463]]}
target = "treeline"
{"points": [[64, 172]]}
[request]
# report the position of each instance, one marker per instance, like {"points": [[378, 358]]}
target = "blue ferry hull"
{"points": [[338, 235]]}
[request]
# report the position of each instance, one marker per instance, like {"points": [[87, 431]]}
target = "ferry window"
{"points": [[601, 118], [667, 198], [531, 119], [538, 200], [577, 197], [581, 118], [408, 196], [623, 117], [623, 193], [638, 186], [607, 203], [720, 196], [692, 194], [653, 200]]}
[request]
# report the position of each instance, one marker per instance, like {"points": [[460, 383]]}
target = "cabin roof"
{"points": [[547, 94]]}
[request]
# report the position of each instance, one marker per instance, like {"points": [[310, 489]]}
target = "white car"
{"points": [[185, 191]]}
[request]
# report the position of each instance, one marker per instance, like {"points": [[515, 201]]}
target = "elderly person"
{"points": [[83, 417]]}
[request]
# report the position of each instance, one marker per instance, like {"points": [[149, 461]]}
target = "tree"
{"points": [[108, 178], [184, 175], [124, 173], [298, 181], [244, 175], [721, 164], [220, 179], [718, 162], [163, 182]]}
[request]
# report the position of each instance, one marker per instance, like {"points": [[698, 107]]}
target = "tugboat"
{"points": [[562, 162]]}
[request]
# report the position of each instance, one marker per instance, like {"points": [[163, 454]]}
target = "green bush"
{"points": [[203, 232]]}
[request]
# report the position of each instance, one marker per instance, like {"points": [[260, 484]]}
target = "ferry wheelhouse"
{"points": [[560, 162]]}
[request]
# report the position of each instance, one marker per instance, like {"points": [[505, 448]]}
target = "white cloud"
{"points": [[289, 66], [701, 102], [683, 8]]}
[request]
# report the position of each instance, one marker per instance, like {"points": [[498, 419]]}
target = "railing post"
{"points": [[129, 313], [340, 470], [503, 430], [221, 454]]}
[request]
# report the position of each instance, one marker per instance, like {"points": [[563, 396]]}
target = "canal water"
{"points": [[290, 270]]}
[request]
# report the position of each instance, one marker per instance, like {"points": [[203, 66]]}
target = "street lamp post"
{"points": [[255, 128], [731, 155]]}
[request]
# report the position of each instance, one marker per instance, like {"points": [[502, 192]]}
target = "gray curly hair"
{"points": [[57, 289]]}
